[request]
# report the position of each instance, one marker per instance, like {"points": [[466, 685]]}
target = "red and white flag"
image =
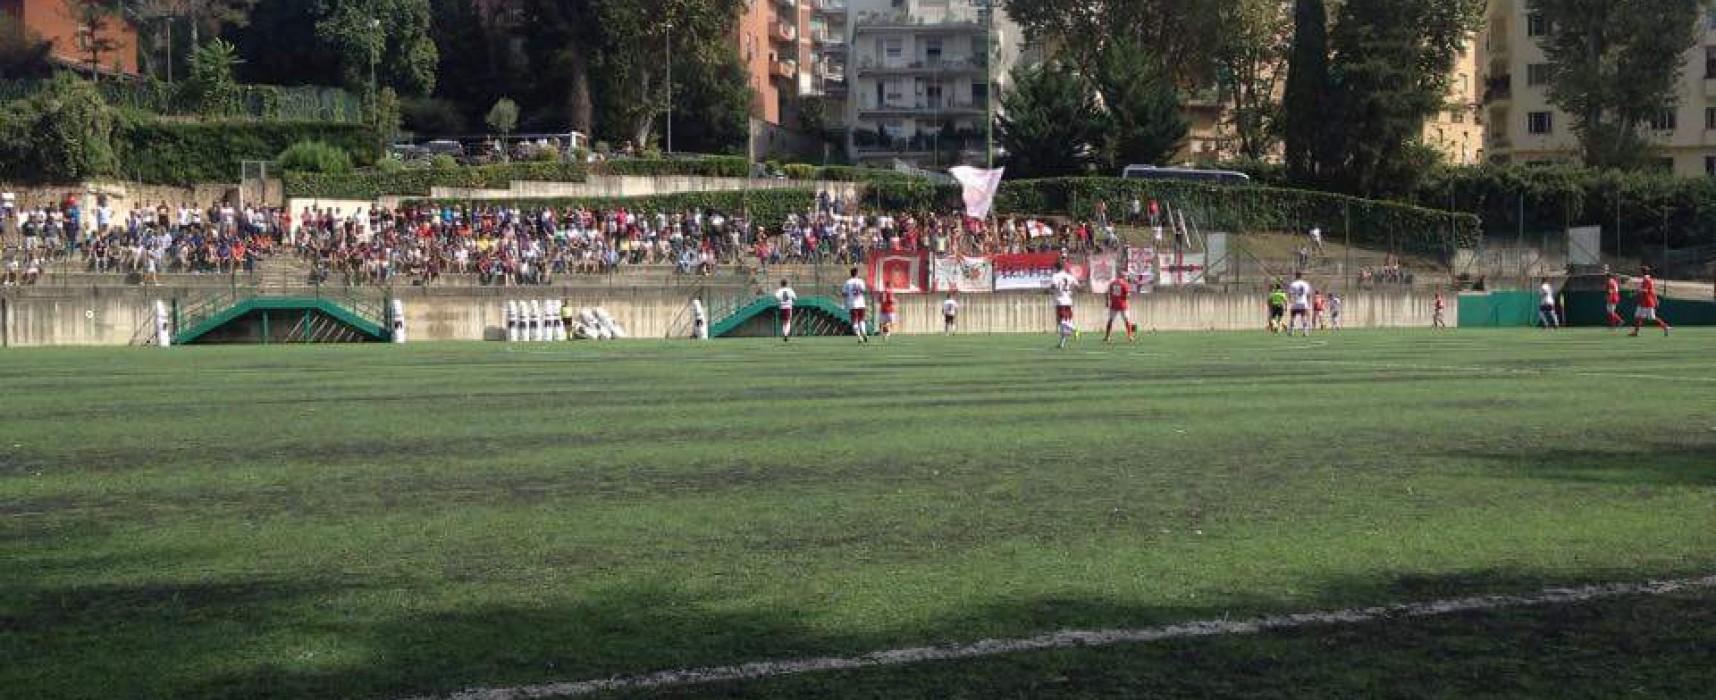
{"points": [[980, 188]]}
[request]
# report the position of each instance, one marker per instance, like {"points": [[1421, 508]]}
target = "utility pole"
{"points": [[670, 88], [374, 58], [989, 50]]}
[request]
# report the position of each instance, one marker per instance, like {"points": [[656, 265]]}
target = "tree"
{"points": [[212, 89], [94, 22], [1390, 72], [1144, 122], [712, 104], [1049, 122], [23, 52], [390, 35], [503, 117], [560, 39], [1251, 62], [1181, 33], [1616, 65], [1307, 93], [632, 57]]}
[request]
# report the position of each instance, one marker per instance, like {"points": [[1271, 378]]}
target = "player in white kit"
{"points": [[949, 314], [853, 292], [1299, 301], [1062, 286], [786, 296]]}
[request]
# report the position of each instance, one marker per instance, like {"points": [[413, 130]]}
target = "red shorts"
{"points": [[1118, 307], [786, 315], [858, 315], [1063, 313]]}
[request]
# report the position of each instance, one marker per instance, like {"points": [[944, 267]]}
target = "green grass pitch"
{"points": [[382, 522]]}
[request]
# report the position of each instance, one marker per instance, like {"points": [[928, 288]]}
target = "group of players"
{"points": [[1296, 308]]}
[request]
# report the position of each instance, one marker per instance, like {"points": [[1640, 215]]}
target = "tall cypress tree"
{"points": [[1307, 90]]}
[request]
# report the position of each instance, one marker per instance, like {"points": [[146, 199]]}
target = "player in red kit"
{"points": [[1647, 304], [1612, 299], [1119, 306], [890, 312]]}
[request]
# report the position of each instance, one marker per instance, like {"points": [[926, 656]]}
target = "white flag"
{"points": [[980, 187]]}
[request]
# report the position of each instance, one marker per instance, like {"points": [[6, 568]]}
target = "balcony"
{"points": [[829, 40], [782, 32], [941, 22], [788, 4], [1498, 88], [831, 7], [784, 69], [870, 64], [920, 107]]}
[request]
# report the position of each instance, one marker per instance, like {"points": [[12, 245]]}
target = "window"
{"points": [[932, 49], [1710, 61], [1710, 166], [1536, 25], [979, 91], [1457, 116], [1539, 123], [1663, 121], [1537, 74], [1710, 118], [894, 47]]}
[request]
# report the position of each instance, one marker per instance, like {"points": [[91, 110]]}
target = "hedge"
{"points": [[1373, 223], [183, 153], [844, 173], [767, 207], [416, 182], [1653, 210], [713, 166]]}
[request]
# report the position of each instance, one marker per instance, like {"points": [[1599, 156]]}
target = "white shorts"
{"points": [[1645, 313], [1122, 314]]}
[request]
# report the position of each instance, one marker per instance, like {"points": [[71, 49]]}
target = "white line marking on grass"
{"points": [[1510, 370], [1076, 638]]}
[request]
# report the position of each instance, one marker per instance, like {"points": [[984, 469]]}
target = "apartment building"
{"points": [[775, 44], [1523, 127], [1457, 132], [55, 22], [921, 77]]}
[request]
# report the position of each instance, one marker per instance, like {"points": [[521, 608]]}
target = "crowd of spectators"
{"points": [[499, 245]]}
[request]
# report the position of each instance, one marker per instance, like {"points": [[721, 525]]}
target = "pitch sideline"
{"points": [[1074, 638]]}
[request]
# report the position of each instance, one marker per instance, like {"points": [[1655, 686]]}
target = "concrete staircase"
{"points": [[282, 272]]}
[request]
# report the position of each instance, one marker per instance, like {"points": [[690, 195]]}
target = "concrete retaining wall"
{"points": [[602, 186], [118, 316]]}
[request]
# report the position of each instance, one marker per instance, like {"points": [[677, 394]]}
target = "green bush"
{"points": [[1371, 223], [715, 166], [62, 133], [316, 157], [767, 207], [844, 173], [1650, 210], [180, 153], [417, 182]]}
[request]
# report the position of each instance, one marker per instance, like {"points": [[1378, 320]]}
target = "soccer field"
{"points": [[395, 521]]}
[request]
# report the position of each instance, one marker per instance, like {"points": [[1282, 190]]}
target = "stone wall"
{"points": [[74, 316], [608, 186]]}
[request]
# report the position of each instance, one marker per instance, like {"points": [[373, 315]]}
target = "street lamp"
{"points": [[374, 58], [670, 88]]}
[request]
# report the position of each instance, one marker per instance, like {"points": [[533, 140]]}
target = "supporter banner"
{"points": [[980, 187], [1103, 271], [1024, 270], [1181, 268], [962, 274], [1141, 268], [902, 272]]}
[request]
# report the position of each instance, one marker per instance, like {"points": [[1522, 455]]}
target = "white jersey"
{"points": [[696, 311], [1335, 305], [1063, 285], [854, 292], [1548, 294], [786, 297], [1300, 292], [950, 308]]}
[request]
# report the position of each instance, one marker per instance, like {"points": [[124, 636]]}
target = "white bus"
{"points": [[1213, 177]]}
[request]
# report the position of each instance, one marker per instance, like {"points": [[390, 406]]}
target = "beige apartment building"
{"points": [[1523, 127], [1457, 132]]}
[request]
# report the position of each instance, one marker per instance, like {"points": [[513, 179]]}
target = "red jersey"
{"points": [[1647, 293], [1613, 287], [888, 301], [1441, 304], [1119, 296], [1317, 302]]}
